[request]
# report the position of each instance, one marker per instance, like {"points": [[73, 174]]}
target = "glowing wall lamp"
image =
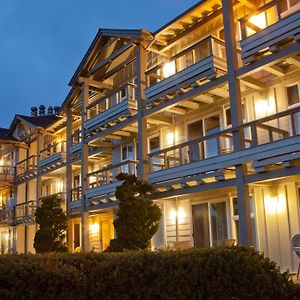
{"points": [[275, 204], [180, 214], [59, 186], [94, 228], [265, 107]]}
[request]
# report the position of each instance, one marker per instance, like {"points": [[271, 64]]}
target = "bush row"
{"points": [[220, 273]]}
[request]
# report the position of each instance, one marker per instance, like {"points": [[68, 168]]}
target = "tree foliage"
{"points": [[52, 226], [137, 217]]}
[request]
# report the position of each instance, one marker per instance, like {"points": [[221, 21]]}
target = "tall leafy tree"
{"points": [[52, 226], [137, 217]]}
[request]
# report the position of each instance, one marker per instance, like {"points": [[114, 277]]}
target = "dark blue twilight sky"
{"points": [[43, 41]]}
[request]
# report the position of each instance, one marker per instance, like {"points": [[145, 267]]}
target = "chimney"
{"points": [[34, 111], [50, 111], [56, 110], [42, 109]]}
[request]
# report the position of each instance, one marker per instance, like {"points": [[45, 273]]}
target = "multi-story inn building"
{"points": [[206, 108]]}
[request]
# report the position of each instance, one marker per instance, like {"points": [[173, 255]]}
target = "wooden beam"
{"points": [[253, 83], [221, 92], [97, 84], [189, 104], [160, 120], [276, 70], [176, 110], [204, 98], [112, 57], [294, 61]]}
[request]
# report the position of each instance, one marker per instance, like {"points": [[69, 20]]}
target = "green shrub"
{"points": [[221, 273]]}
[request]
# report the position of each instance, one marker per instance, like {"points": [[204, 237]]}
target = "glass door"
{"points": [[210, 224], [195, 130], [126, 154], [211, 126], [201, 225], [76, 237]]}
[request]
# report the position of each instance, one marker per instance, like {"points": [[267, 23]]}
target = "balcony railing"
{"points": [[258, 132], [5, 215], [108, 175], [52, 155], [268, 28], [25, 211], [7, 170], [198, 61], [27, 165], [121, 102]]}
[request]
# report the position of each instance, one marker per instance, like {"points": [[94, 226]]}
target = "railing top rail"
{"points": [[50, 146], [110, 167], [259, 10], [228, 130], [209, 37], [113, 92], [27, 159], [26, 203]]}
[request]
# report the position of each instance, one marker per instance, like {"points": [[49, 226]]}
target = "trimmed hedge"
{"points": [[220, 273]]}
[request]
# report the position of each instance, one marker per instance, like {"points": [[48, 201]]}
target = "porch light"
{"points": [[275, 204], [1, 162], [59, 186], [180, 214], [259, 20], [94, 228], [169, 69], [265, 107]]}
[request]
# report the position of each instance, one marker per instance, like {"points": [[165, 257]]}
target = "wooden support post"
{"points": [[141, 60], [236, 117], [84, 169], [68, 159]]}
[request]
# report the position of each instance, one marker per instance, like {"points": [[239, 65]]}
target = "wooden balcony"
{"points": [[103, 183], [6, 215], [7, 174], [26, 169], [267, 30], [204, 60], [52, 157], [111, 109], [273, 140], [75, 203], [25, 212]]}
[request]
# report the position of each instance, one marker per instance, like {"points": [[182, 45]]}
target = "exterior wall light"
{"points": [[94, 228], [169, 69]]}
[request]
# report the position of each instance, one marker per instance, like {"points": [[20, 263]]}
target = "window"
{"points": [[154, 144], [127, 154], [292, 94]]}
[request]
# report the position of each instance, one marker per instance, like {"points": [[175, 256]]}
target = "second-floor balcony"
{"points": [[203, 60], [52, 157], [110, 109], [270, 28], [270, 141], [24, 212], [26, 168], [103, 182], [6, 174]]}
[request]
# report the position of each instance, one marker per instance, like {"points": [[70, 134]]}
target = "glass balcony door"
{"points": [[211, 126], [210, 224]]}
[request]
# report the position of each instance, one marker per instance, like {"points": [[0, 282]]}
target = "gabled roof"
{"points": [[122, 33], [5, 136], [39, 121]]}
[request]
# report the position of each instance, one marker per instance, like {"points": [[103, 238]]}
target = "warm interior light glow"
{"points": [[94, 228], [1, 162], [265, 107], [259, 20], [169, 69]]}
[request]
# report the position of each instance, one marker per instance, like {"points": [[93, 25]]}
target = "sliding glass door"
{"points": [[210, 225]]}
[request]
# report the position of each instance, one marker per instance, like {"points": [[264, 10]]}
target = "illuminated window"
{"points": [[169, 69]]}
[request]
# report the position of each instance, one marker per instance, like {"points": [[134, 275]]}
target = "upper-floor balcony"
{"points": [[269, 29], [272, 141], [52, 157], [6, 174], [204, 60], [26, 168], [103, 183], [24, 212], [6, 215], [110, 109]]}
